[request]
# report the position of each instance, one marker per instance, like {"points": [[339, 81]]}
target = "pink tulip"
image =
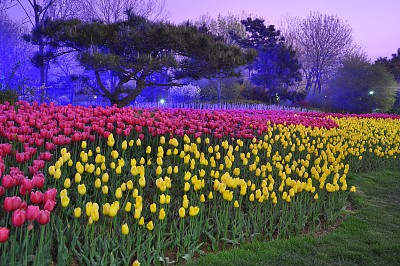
{"points": [[8, 181], [43, 217], [49, 205], [2, 190], [50, 194], [4, 233], [11, 203], [32, 212], [18, 218], [38, 180], [36, 197]]}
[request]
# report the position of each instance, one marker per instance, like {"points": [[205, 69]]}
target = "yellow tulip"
{"points": [[142, 182], [167, 199], [186, 187], [153, 207], [113, 210], [125, 229], [77, 212], [135, 193], [353, 189], [124, 145], [202, 198], [64, 201], [105, 178], [137, 214], [67, 183], [162, 199], [106, 208], [159, 170], [52, 170], [98, 149], [97, 183], [210, 195], [150, 226], [104, 189], [148, 150], [82, 189], [128, 206], [236, 204], [161, 215], [141, 221], [129, 185], [83, 144], [118, 193], [316, 196], [182, 212]]}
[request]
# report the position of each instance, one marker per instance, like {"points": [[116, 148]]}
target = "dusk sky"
{"points": [[376, 24]]}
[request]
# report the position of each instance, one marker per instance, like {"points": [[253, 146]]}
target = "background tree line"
{"points": [[126, 50]]}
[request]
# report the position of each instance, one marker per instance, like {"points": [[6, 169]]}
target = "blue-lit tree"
{"points": [[137, 49], [276, 67], [360, 87]]}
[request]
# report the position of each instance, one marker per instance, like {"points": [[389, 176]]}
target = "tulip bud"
{"points": [[77, 212], [125, 229], [150, 226], [43, 217], [32, 212], [18, 218], [4, 234]]}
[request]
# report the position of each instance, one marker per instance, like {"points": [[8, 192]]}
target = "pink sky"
{"points": [[376, 24]]}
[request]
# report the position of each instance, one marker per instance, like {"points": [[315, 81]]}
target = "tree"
{"points": [[137, 48], [393, 66], [360, 87], [322, 42], [14, 55], [276, 67], [223, 26]]}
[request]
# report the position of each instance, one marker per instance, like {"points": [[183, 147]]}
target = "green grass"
{"points": [[368, 236]]}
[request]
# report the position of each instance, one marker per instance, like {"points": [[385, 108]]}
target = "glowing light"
{"points": [[371, 92], [162, 101]]}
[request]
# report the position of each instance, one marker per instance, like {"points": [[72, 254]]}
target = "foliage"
{"points": [[276, 67], [135, 49], [8, 95], [359, 87], [186, 93]]}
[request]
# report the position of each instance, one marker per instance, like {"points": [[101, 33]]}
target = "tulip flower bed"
{"points": [[109, 186]]}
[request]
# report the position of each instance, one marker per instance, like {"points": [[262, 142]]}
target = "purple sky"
{"points": [[376, 24]]}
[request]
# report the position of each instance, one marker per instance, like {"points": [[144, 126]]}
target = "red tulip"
{"points": [[4, 233], [50, 194], [36, 197], [43, 217], [32, 212], [11, 203], [49, 205], [18, 218]]}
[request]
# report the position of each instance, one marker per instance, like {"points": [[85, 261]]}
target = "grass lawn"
{"points": [[368, 236]]}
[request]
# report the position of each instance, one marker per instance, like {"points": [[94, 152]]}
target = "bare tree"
{"points": [[322, 42], [110, 11]]}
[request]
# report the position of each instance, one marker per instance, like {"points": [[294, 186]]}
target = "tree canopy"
{"points": [[359, 86], [276, 67], [135, 49]]}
